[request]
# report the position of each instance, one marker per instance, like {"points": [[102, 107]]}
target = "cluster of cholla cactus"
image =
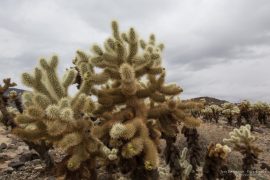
{"points": [[262, 111], [54, 117], [215, 163], [134, 108], [259, 111], [196, 109], [230, 111], [245, 111], [212, 112], [243, 141]]}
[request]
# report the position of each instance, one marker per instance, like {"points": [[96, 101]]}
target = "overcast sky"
{"points": [[218, 48]]}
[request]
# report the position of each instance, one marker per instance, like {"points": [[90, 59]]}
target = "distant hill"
{"points": [[210, 100]]}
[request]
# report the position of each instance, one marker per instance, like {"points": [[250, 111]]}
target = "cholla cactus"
{"points": [[15, 97], [52, 115], [262, 111], [195, 107], [212, 112], [216, 112], [186, 167], [207, 113], [245, 112], [7, 118], [230, 111], [214, 160], [134, 103], [243, 141]]}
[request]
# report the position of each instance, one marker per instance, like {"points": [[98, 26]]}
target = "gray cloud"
{"points": [[213, 48]]}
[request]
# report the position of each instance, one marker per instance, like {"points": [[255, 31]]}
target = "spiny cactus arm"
{"points": [[69, 79], [36, 83], [127, 130], [170, 90], [70, 140], [189, 105], [157, 111], [186, 167], [151, 159], [78, 156], [32, 131], [7, 84], [133, 148], [132, 40], [49, 69]]}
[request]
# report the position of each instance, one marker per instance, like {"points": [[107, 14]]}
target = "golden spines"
{"points": [[35, 112], [152, 39], [77, 158], [100, 78], [27, 99], [32, 131], [143, 44], [41, 100], [82, 56], [69, 78], [97, 50], [133, 44], [158, 111], [64, 103], [67, 115], [70, 140], [127, 73], [78, 104], [109, 45], [179, 114], [49, 68], [129, 89], [115, 30], [89, 106], [56, 128], [121, 52], [151, 159], [36, 83], [53, 112], [24, 119], [117, 130], [218, 150], [170, 90], [113, 74], [155, 70], [157, 97], [132, 148]]}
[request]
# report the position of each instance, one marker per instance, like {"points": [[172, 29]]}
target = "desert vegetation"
{"points": [[125, 121]]}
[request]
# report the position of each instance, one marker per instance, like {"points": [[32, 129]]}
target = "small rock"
{"points": [[36, 162], [3, 146], [15, 164], [28, 157], [4, 157], [12, 146], [8, 170], [38, 167]]}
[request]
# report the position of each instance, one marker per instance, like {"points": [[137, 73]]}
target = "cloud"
{"points": [[213, 48]]}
